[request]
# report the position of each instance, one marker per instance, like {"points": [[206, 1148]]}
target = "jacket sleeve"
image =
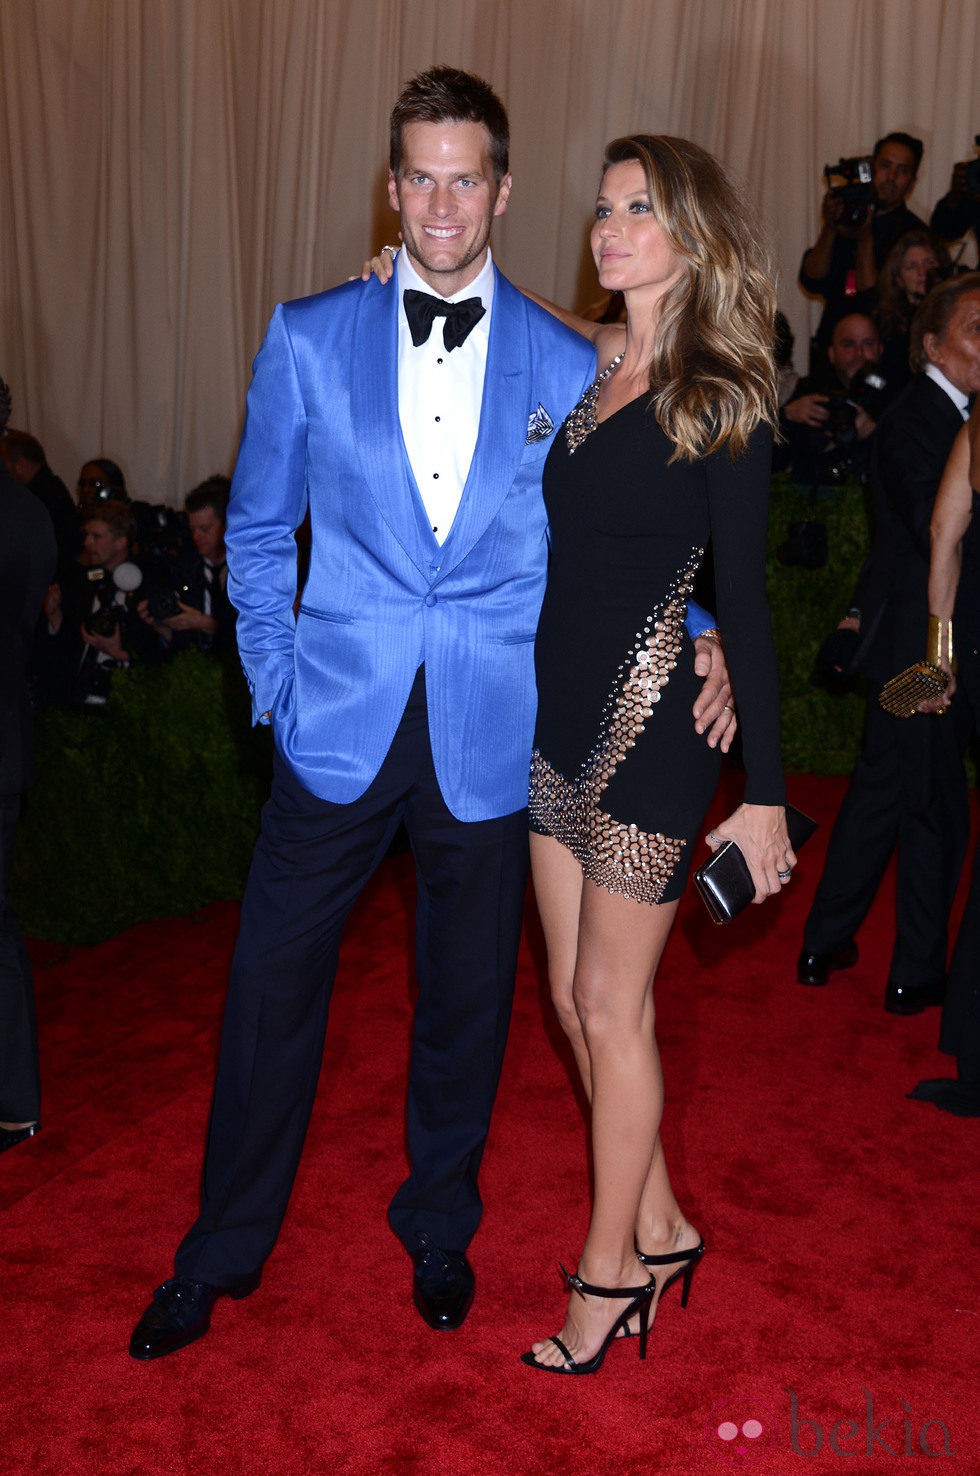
{"points": [[268, 503]]}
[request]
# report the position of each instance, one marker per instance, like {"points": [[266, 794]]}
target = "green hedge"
{"points": [[150, 809], [821, 727]]}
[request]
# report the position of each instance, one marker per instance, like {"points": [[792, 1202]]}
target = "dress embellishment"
{"points": [[622, 858], [581, 422]]}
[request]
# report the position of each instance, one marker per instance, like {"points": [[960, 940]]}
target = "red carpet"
{"points": [[837, 1306]]}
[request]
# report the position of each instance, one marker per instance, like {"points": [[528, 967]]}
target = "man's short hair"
{"points": [[856, 314], [20, 445], [117, 516], [935, 313], [447, 95], [212, 493], [914, 145]]}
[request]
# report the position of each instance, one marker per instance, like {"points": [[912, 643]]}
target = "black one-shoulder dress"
{"points": [[619, 776]]}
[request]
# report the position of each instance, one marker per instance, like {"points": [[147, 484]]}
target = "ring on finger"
{"points": [[784, 875]]}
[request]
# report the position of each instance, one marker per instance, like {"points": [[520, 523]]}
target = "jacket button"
{"points": [[431, 600]]}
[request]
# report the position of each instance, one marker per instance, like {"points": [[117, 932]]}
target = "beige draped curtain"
{"points": [[172, 168]]}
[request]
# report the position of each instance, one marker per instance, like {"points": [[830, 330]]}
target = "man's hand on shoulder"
{"points": [[714, 710]]}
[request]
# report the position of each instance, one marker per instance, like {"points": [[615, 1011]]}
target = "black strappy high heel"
{"points": [[640, 1299], [691, 1258]]}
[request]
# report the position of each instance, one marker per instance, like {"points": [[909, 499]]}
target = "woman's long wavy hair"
{"points": [[894, 312], [712, 374]]}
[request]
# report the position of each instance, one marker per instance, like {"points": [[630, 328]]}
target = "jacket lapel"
{"points": [[374, 418], [503, 423]]}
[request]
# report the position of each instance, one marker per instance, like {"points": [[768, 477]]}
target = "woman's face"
{"points": [[631, 250], [92, 481], [913, 275]]}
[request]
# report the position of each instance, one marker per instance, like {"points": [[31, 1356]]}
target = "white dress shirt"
{"points": [[439, 397], [959, 399]]}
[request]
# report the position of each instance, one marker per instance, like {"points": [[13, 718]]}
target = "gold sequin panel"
{"points": [[622, 858]]}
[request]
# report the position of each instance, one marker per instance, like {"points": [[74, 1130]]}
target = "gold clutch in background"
{"points": [[902, 695]]}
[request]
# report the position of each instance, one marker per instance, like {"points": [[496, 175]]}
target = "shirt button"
{"points": [[431, 600]]}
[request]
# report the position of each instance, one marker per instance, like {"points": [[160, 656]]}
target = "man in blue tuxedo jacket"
{"points": [[414, 429]]}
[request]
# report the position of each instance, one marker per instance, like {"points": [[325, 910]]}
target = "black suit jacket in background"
{"points": [[911, 445]]}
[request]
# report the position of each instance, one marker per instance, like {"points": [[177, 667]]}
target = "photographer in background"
{"points": [[861, 221], [959, 210], [831, 417], [191, 608], [92, 624]]}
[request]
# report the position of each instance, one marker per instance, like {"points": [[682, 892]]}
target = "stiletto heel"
{"points": [[640, 1300], [691, 1258]]}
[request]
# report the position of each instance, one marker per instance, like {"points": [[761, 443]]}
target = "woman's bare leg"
{"points": [[605, 957]]}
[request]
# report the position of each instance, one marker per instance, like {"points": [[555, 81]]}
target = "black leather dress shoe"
{"points": [[443, 1285], [10, 1136], [179, 1314], [902, 999], [816, 968]]}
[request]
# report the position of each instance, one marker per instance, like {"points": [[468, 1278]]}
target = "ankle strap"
{"points": [[667, 1260], [575, 1283]]}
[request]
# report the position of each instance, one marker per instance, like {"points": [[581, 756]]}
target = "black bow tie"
{"points": [[422, 311]]}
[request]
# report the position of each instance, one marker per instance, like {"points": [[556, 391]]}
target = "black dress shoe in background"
{"points": [[10, 1136], [816, 968], [179, 1314], [902, 999], [442, 1286], [962, 1098]]}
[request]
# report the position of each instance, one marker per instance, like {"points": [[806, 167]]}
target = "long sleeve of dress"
{"points": [[738, 505]]}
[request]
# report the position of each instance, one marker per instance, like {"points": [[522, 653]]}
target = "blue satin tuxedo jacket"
{"points": [[322, 431]]}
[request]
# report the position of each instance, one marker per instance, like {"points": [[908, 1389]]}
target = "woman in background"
{"points": [[912, 268]]}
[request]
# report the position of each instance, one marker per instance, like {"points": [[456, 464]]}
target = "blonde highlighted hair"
{"points": [[713, 373]]}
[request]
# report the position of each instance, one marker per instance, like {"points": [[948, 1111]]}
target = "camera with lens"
{"points": [[841, 422], [869, 390], [105, 621], [849, 180], [165, 602], [106, 618]]}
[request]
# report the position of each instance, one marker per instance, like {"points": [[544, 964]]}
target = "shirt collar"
{"points": [[959, 399], [481, 286]]}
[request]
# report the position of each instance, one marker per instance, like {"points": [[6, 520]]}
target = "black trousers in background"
{"points": [[20, 1087], [311, 862], [908, 790]]}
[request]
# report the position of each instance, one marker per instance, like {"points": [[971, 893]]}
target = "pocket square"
{"points": [[539, 425]]}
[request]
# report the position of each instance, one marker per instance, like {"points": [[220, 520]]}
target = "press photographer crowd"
{"points": [[886, 399]]}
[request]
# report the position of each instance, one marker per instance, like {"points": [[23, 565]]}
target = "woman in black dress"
{"points": [[667, 452]]}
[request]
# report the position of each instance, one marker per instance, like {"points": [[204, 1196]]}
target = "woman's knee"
{"points": [[608, 1009]]}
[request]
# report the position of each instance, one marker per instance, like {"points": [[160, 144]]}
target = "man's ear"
{"points": [[503, 195], [393, 192], [930, 347]]}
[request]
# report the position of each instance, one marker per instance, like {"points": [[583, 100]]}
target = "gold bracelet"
{"points": [[939, 643], [711, 634]]}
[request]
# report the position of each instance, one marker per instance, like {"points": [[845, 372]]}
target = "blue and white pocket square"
{"points": [[539, 425]]}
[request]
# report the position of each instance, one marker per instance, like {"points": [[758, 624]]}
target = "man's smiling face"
{"points": [[447, 197]]}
